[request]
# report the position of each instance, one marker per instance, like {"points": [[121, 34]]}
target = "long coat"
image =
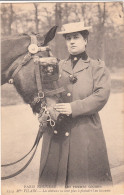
{"points": [[79, 157]]}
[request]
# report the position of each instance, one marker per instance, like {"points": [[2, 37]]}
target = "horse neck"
{"points": [[22, 45]]}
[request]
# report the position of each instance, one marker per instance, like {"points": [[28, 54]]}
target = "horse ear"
{"points": [[49, 35]]}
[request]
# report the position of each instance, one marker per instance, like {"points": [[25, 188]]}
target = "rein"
{"points": [[37, 140], [33, 49]]}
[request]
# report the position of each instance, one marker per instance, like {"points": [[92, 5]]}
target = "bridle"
{"points": [[33, 49]]}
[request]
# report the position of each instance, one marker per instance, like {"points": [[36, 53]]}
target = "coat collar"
{"points": [[81, 65]]}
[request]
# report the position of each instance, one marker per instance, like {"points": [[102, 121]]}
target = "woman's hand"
{"points": [[63, 108]]}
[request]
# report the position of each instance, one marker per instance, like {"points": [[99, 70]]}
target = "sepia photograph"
{"points": [[62, 97]]}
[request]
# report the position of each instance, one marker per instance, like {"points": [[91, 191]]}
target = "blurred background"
{"points": [[106, 41]]}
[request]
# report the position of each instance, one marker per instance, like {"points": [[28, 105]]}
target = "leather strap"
{"points": [[40, 95], [20, 170], [38, 79], [55, 91], [25, 60], [38, 137], [33, 39], [35, 142]]}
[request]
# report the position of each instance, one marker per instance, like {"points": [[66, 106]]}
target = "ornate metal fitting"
{"points": [[41, 95], [33, 48], [10, 81], [73, 79], [36, 100], [52, 122], [49, 119], [46, 48]]}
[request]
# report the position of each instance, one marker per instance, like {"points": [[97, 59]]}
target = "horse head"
{"points": [[35, 76], [30, 66], [14, 46]]}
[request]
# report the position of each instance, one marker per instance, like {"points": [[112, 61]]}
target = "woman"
{"points": [[78, 156]]}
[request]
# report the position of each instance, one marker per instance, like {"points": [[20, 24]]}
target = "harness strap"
{"points": [[22, 169], [48, 93], [55, 91], [33, 39], [38, 78], [39, 135], [15, 162], [25, 60]]}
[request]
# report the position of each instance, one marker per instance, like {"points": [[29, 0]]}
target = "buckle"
{"points": [[41, 95]]}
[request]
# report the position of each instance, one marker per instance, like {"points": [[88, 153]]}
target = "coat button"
{"points": [[68, 94], [75, 58], [55, 132], [67, 134]]}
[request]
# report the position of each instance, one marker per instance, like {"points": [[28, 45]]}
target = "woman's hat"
{"points": [[73, 27]]}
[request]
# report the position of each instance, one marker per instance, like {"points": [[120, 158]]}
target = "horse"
{"points": [[13, 51], [28, 64]]}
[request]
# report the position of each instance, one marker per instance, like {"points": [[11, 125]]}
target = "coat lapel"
{"points": [[67, 67], [81, 65]]}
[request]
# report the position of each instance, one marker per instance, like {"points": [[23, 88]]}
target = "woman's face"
{"points": [[75, 43]]}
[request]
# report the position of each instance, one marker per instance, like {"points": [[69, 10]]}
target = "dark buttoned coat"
{"points": [[81, 157]]}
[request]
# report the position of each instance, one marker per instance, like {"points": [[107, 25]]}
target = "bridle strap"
{"points": [[26, 59], [38, 137], [35, 143], [20, 170], [33, 39], [40, 96], [54, 91], [38, 78]]}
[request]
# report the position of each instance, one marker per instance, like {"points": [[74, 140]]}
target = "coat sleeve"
{"points": [[100, 95]]}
